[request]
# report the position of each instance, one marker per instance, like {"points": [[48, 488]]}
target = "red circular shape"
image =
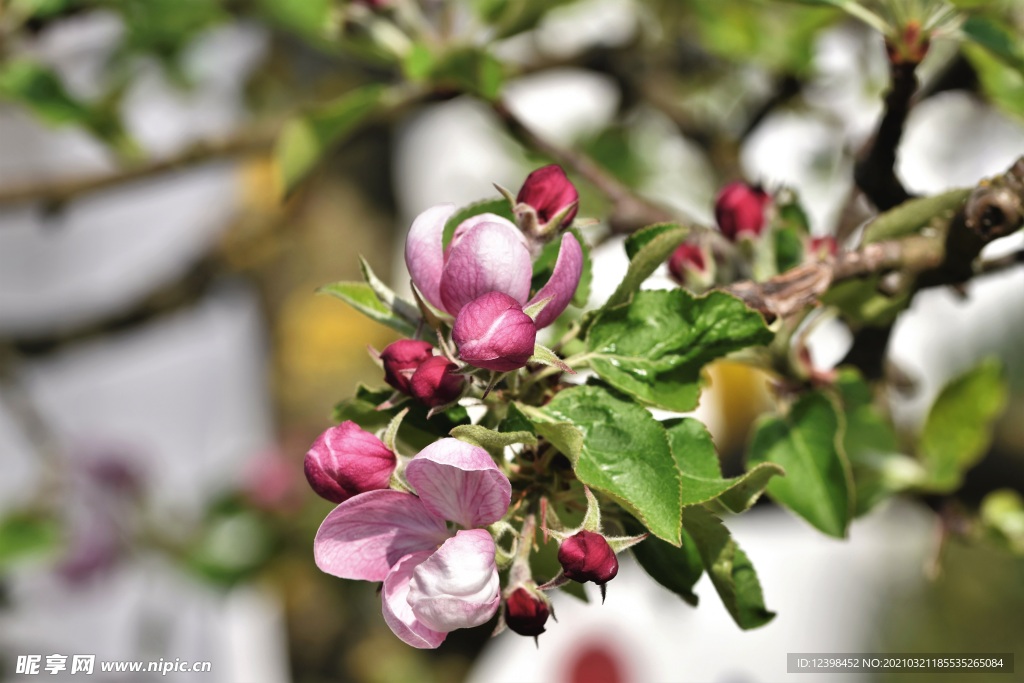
{"points": [[595, 663]]}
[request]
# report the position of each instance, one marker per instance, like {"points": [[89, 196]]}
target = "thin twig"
{"points": [[875, 173], [64, 190]]}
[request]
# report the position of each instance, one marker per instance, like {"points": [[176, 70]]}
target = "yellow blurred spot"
{"points": [[738, 395]]}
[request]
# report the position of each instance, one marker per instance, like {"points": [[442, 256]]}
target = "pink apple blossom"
{"points": [[434, 581], [494, 333], [346, 460]]}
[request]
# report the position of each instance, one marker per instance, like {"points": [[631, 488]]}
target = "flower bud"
{"points": [[586, 556], [401, 358], [345, 461], [433, 383], [548, 192], [492, 332], [739, 210], [526, 612]]}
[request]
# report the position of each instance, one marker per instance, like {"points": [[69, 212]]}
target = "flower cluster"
{"points": [[483, 277]]}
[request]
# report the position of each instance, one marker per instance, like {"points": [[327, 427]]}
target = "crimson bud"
{"points": [[687, 257], [586, 556], [739, 210], [548, 191], [526, 613], [492, 332], [433, 383], [401, 358], [345, 461], [823, 247]]}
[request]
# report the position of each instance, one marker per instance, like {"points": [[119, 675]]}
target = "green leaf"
{"points": [[310, 18], [516, 421], [789, 249], [416, 430], [654, 347], [997, 38], [1001, 84], [625, 454], [24, 534], [1002, 514], [498, 206], [305, 139], [405, 310], [641, 238], [544, 266], [862, 302], [38, 88], [728, 566], [869, 442], [418, 64], [958, 431], [677, 569], [361, 297], [647, 259], [913, 215], [701, 475], [472, 70], [491, 440], [805, 443]]}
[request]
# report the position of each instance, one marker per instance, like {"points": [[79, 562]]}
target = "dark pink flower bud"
{"points": [[688, 257], [346, 461], [740, 209], [548, 191], [586, 556], [823, 247], [492, 332], [433, 383], [401, 359], [526, 613]]}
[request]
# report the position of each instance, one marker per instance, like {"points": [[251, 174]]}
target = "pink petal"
{"points": [[366, 535], [457, 586], [563, 282], [460, 482], [473, 221], [488, 258], [424, 255], [398, 613]]}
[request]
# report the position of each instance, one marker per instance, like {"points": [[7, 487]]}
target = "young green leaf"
{"points": [[677, 569], [730, 569], [647, 259], [516, 421], [305, 139], [996, 37], [958, 430], [805, 442], [910, 216], [701, 475], [654, 347], [624, 453], [23, 534], [491, 440], [641, 238], [361, 297], [869, 441]]}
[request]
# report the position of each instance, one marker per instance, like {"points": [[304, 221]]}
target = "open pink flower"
{"points": [[487, 254], [434, 582]]}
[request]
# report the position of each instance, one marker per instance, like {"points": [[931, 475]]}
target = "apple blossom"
{"points": [[487, 254], [434, 582], [345, 461]]}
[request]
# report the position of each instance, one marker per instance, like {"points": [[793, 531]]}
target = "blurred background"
{"points": [[165, 362]]}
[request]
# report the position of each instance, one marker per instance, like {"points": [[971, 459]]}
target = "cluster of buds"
{"points": [[483, 277], [412, 368]]}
